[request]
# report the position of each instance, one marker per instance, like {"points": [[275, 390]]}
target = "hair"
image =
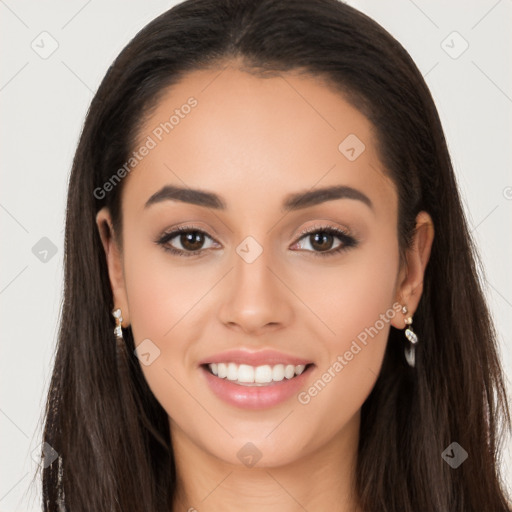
{"points": [[112, 436]]}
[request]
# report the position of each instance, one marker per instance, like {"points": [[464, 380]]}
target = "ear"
{"points": [[114, 263], [410, 280]]}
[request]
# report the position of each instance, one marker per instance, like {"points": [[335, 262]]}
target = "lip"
{"points": [[256, 397], [259, 358]]}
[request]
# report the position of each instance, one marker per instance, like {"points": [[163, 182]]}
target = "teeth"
{"points": [[246, 374]]}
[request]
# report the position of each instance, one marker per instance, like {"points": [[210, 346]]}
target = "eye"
{"points": [[322, 238], [190, 241]]}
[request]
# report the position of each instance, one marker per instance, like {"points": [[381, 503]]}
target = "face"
{"points": [[259, 274]]}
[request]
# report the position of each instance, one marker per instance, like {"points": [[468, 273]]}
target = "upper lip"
{"points": [[259, 358]]}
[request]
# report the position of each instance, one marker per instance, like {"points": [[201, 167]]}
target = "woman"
{"points": [[271, 299]]}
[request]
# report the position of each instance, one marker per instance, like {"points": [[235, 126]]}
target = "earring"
{"points": [[118, 331], [409, 350]]}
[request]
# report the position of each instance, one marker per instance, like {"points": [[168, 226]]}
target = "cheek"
{"points": [[162, 291], [351, 296], [356, 303], [166, 297]]}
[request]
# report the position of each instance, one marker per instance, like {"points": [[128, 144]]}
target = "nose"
{"points": [[255, 299]]}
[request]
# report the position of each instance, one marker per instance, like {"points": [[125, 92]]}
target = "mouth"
{"points": [[256, 376], [255, 379]]}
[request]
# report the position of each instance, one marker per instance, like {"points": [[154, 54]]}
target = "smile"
{"points": [[256, 387], [247, 375]]}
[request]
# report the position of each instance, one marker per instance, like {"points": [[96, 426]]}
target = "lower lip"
{"points": [[255, 397]]}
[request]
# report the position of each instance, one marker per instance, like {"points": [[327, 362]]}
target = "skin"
{"points": [[253, 141]]}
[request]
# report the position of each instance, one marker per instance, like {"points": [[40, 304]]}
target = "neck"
{"points": [[323, 479]]}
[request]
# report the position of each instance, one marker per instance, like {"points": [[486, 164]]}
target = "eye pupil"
{"points": [[192, 240], [319, 239]]}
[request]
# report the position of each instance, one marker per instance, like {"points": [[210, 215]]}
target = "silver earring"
{"points": [[118, 331], [409, 350]]}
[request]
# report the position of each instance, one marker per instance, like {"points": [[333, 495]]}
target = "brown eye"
{"points": [[192, 241], [322, 241], [185, 241]]}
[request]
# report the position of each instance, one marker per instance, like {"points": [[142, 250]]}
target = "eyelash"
{"points": [[347, 240]]}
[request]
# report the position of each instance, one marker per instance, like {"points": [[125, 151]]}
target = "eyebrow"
{"points": [[292, 202]]}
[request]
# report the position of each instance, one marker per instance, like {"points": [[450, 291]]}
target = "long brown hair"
{"points": [[112, 436]]}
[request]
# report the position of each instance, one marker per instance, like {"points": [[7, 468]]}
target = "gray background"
{"points": [[44, 98]]}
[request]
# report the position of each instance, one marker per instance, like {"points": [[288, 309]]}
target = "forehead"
{"points": [[255, 140]]}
